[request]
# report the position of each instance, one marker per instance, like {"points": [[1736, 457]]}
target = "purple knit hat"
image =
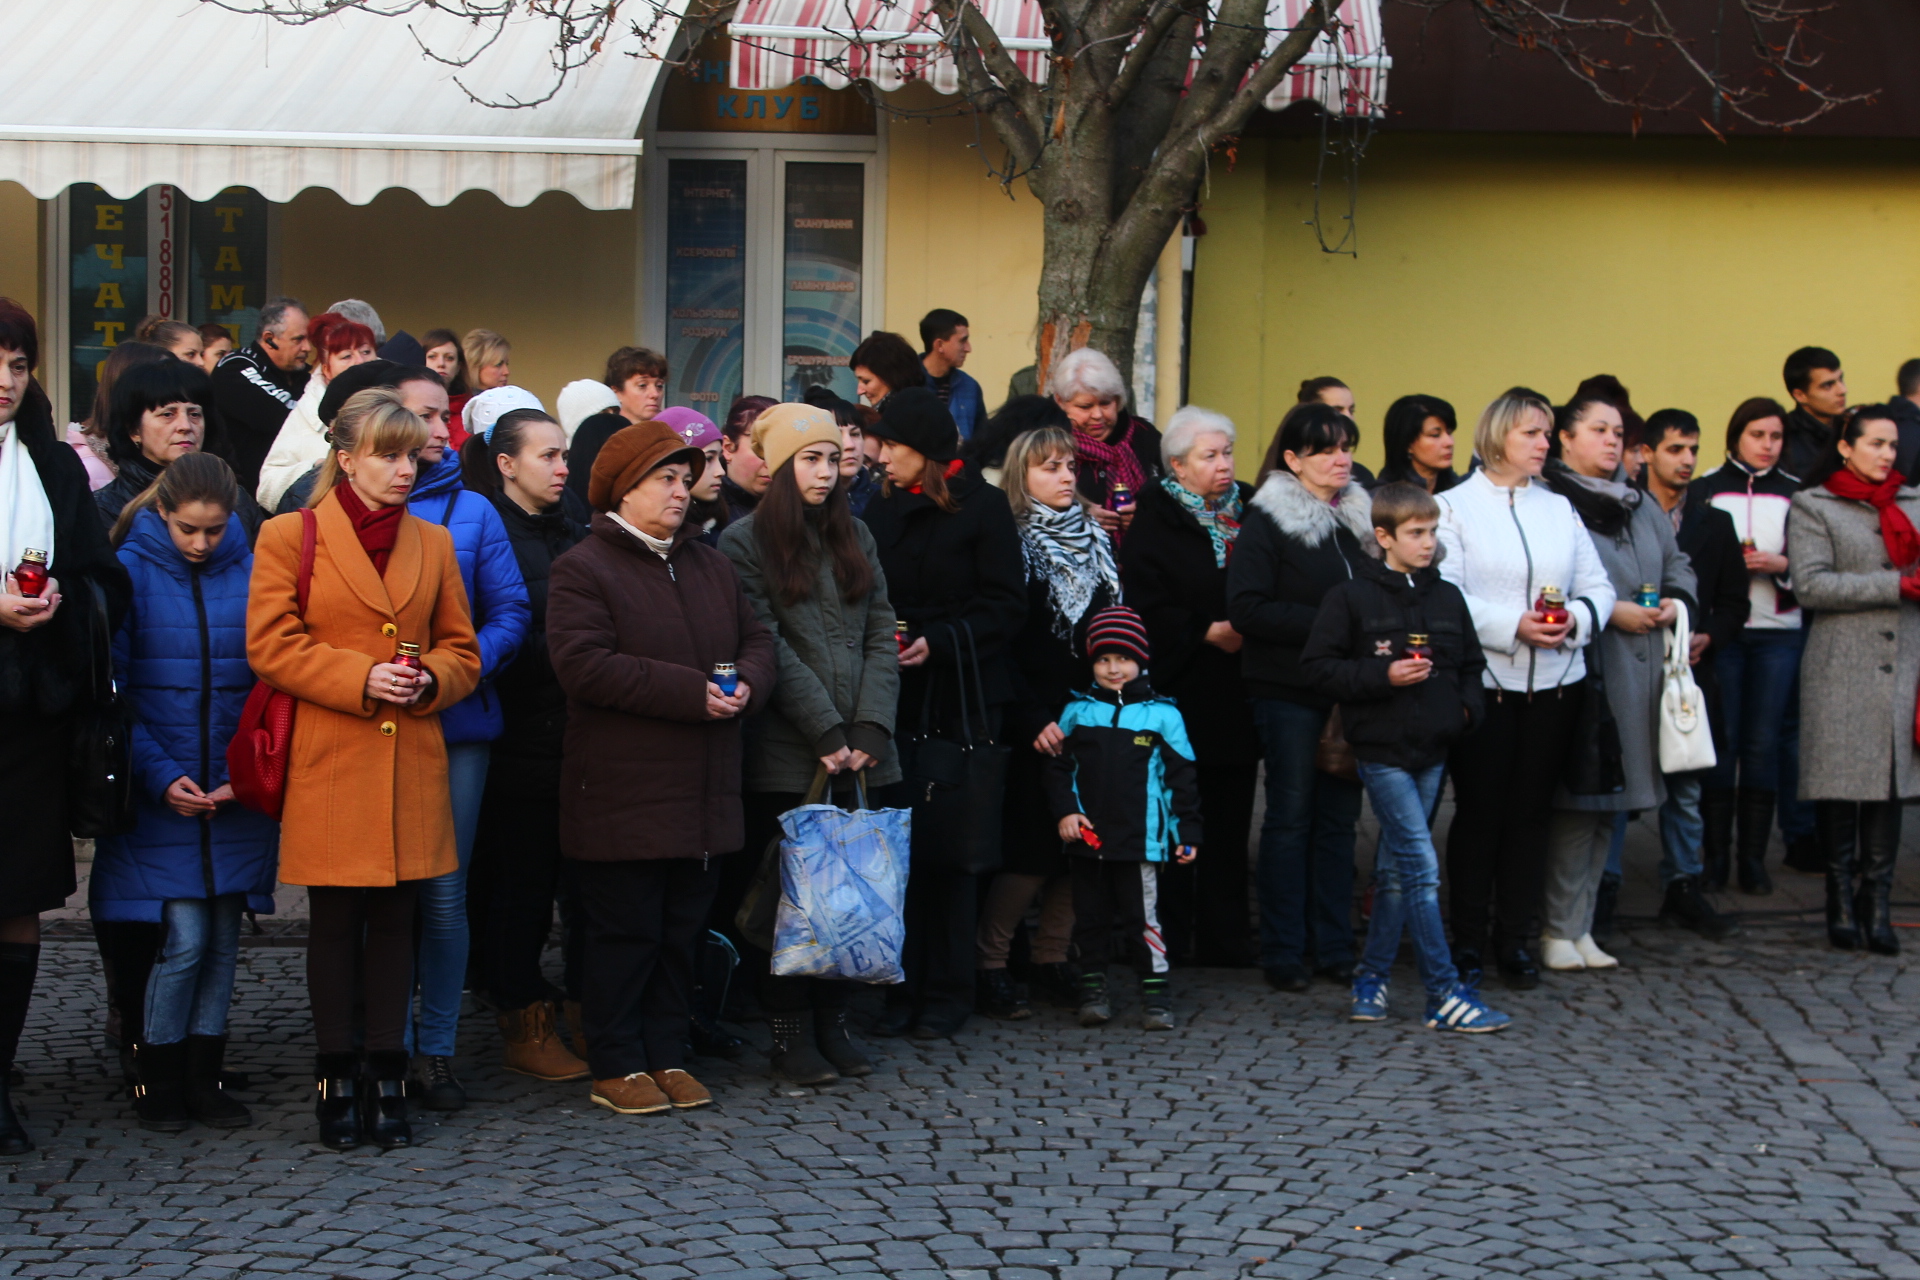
{"points": [[691, 425], [1118, 630]]}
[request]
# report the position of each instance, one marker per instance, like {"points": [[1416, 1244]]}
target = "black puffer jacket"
{"points": [[1293, 549], [1362, 630], [254, 397], [531, 699], [1169, 577], [942, 568], [1808, 442]]}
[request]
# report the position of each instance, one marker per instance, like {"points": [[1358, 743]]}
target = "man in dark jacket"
{"points": [[256, 386], [1819, 391], [1904, 408], [1706, 533]]}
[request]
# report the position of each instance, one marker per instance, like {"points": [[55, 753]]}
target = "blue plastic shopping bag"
{"points": [[843, 889]]}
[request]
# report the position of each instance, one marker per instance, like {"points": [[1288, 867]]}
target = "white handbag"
{"points": [[1686, 739]]}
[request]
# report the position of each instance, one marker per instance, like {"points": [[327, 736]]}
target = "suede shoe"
{"points": [[831, 1038], [160, 1098], [577, 1029], [634, 1095], [682, 1090], [534, 1046], [207, 1098]]}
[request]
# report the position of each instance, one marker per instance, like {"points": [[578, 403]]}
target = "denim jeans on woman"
{"points": [[1406, 894], [442, 964], [192, 981], [1305, 877]]}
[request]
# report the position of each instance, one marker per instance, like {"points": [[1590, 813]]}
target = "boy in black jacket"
{"points": [[1396, 647]]}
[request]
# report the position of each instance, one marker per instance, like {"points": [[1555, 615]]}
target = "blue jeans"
{"points": [[1759, 679], [1681, 830], [1407, 877], [192, 981], [443, 910], [1305, 877]]}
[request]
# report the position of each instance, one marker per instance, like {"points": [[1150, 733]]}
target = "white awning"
{"points": [[129, 93], [894, 42]]}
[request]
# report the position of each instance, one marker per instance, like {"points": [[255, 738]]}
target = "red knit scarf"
{"points": [[378, 530], [1903, 542], [1114, 459]]}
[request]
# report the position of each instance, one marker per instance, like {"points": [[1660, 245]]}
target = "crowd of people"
{"points": [[583, 662]]}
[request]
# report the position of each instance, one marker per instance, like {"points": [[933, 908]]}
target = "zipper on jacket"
{"points": [[1533, 654], [206, 727]]}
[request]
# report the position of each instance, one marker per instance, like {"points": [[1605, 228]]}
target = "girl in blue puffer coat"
{"points": [[194, 857]]}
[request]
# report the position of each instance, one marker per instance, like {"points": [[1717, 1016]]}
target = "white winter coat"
{"points": [[1502, 546], [300, 446]]}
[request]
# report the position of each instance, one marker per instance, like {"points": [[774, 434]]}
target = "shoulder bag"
{"points": [[959, 783], [100, 763], [1594, 764], [1686, 738], [258, 756]]}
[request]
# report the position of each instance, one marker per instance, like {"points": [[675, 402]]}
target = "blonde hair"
{"points": [[1507, 411], [483, 348], [1029, 447], [373, 421]]}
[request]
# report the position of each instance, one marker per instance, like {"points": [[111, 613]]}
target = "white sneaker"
{"points": [[1558, 953], [1590, 952]]}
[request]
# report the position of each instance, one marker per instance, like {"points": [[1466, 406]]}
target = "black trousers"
{"points": [[1121, 898], [360, 943], [1504, 775], [517, 871], [643, 920], [1205, 906], [128, 950]]}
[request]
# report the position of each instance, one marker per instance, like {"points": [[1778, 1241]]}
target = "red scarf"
{"points": [[378, 530], [1903, 542], [1114, 459], [954, 468]]}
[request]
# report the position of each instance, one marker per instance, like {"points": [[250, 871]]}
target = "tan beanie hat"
{"points": [[786, 429]]}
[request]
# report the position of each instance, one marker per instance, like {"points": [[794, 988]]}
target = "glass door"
{"points": [[824, 225], [706, 282]]}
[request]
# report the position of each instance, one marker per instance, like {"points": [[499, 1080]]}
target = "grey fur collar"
{"points": [[1304, 517]]}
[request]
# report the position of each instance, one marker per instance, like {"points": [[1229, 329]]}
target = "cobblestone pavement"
{"points": [[1742, 1110]]}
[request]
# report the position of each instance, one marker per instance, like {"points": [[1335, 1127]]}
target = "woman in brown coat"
{"points": [[367, 813], [638, 617]]}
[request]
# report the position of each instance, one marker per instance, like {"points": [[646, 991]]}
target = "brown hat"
{"points": [[628, 455]]}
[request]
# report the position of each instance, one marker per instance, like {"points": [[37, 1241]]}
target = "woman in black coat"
{"points": [[1174, 567], [45, 646], [951, 556], [157, 412], [516, 873], [1117, 449], [1418, 438], [1304, 532]]}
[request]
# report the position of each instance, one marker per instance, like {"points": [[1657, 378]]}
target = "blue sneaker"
{"points": [[1464, 1011], [1369, 999]]}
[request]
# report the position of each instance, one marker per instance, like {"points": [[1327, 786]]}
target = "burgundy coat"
{"points": [[633, 639]]}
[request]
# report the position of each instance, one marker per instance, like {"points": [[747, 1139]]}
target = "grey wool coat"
{"points": [[1644, 551], [839, 670], [1862, 661]]}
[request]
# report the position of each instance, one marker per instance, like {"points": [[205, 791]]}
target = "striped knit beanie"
{"points": [[1118, 630]]}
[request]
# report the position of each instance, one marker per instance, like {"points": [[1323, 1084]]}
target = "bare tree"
{"points": [[1114, 141]]}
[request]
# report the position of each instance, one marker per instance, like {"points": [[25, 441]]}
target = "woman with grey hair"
{"points": [[1174, 570], [1119, 452]]}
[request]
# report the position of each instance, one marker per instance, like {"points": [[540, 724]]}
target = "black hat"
{"points": [[353, 380], [915, 417]]}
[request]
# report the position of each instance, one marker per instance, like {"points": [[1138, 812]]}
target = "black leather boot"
{"points": [[1879, 847], [836, 1045], [160, 1098], [383, 1100], [793, 1058], [13, 1135], [207, 1099], [1716, 843], [19, 962], [1836, 823], [336, 1076], [1756, 828], [1606, 907]]}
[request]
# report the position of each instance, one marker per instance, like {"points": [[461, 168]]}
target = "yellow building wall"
{"points": [[955, 239], [555, 278], [1687, 268], [20, 261]]}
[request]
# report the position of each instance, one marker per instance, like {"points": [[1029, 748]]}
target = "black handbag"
{"points": [[959, 783], [1594, 763], [100, 762]]}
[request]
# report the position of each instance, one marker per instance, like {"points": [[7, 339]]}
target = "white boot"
{"points": [[1558, 953], [1591, 953]]}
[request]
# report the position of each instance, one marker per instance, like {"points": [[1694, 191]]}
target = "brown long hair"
{"points": [[933, 486], [191, 477], [780, 533]]}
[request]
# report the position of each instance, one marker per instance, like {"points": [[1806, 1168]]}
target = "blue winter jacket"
{"points": [[181, 658], [966, 402], [1128, 766], [496, 593]]}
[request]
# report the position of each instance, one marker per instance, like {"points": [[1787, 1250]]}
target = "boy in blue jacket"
{"points": [[1121, 779]]}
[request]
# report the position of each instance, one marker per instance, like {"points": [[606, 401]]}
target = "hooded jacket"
{"points": [[496, 592], [298, 447], [254, 397], [1362, 630], [1292, 550], [1758, 502], [181, 656], [533, 706], [1126, 765]]}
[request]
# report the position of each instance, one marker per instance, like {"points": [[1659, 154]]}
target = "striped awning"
{"points": [[895, 42]]}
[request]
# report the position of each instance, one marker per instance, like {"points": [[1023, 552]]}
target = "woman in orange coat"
{"points": [[367, 812]]}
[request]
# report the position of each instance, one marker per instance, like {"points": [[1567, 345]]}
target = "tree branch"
{"points": [[1158, 24]]}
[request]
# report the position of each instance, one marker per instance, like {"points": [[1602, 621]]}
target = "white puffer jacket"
{"points": [[300, 446], [1502, 546]]}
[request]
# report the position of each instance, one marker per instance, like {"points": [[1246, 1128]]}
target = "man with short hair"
{"points": [[944, 336], [1904, 408], [1668, 455], [256, 386], [1819, 390]]}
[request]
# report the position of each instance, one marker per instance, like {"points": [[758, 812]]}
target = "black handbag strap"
{"points": [[821, 792], [100, 640], [966, 656]]}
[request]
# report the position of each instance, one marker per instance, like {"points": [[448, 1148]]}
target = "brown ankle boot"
{"points": [[534, 1046], [577, 1029]]}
